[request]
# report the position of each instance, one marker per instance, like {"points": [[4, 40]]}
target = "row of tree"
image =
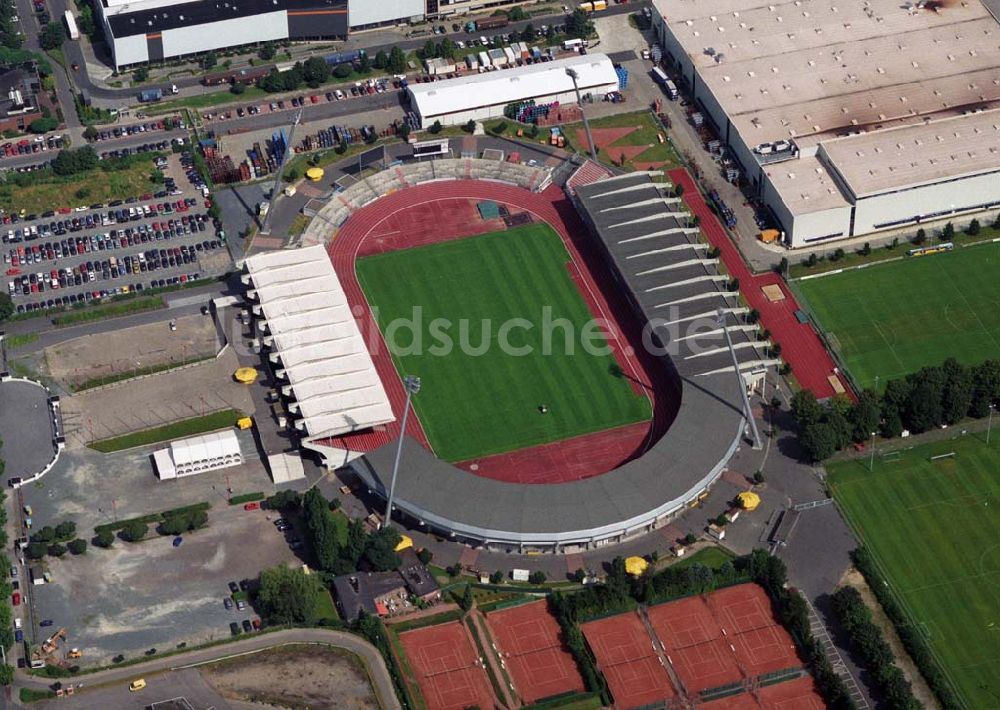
{"points": [[931, 397], [910, 634], [874, 651], [55, 541], [6, 589]]}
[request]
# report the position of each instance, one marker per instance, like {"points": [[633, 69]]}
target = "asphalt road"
{"points": [[373, 660]]}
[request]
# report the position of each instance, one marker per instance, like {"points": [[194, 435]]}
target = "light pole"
{"points": [[739, 378], [871, 462], [571, 72], [412, 385], [989, 426]]}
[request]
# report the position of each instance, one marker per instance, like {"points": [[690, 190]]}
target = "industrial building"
{"points": [[199, 454], [484, 96], [846, 119], [319, 357], [156, 30]]}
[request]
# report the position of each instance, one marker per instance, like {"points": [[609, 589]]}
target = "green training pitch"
{"points": [[486, 401], [934, 528], [892, 319]]}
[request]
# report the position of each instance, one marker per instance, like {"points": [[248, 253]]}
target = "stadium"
{"points": [[556, 452]]}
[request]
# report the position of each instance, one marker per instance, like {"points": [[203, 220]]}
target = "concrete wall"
{"points": [[896, 209], [225, 33], [366, 13]]}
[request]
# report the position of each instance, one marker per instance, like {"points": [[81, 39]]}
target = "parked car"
{"points": [[228, 603], [247, 626], [234, 628], [45, 622], [240, 604], [234, 587]]}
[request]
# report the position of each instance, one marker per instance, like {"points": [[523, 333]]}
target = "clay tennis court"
{"points": [[765, 650], [741, 608], [626, 657], [762, 644], [799, 694], [685, 622], [443, 659], [530, 642], [705, 665]]}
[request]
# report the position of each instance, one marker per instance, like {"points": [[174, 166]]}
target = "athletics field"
{"points": [[481, 398]]}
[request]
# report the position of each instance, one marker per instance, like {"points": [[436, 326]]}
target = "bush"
{"points": [[134, 531], [36, 550], [973, 228], [425, 555], [104, 538], [57, 549], [536, 577], [497, 577], [238, 88], [65, 530], [435, 127], [78, 546]]}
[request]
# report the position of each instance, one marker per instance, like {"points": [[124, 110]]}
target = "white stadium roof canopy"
{"points": [[316, 343]]}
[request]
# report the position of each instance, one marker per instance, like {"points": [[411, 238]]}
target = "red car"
{"points": [[16, 598], [256, 624], [13, 272], [251, 506]]}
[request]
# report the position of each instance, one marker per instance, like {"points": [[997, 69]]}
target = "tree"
{"points": [[43, 125], [467, 600], [364, 63], [690, 539], [36, 550], [90, 133], [865, 416], [516, 14], [536, 577], [65, 530], [140, 74], [985, 387], [53, 36], [6, 674], [238, 88], [267, 51], [920, 237], [447, 48], [322, 532], [77, 546], [435, 127], [957, 395], [209, 60], [316, 71], [805, 408], [45, 534], [948, 232], [288, 596], [104, 538], [579, 25], [6, 307], [381, 60], [380, 553], [497, 577], [429, 50], [57, 549], [134, 531], [470, 127], [578, 576], [818, 441], [974, 228], [283, 500], [397, 61], [425, 556], [528, 33]]}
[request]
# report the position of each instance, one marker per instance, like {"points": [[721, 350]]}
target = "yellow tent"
{"points": [[748, 500], [246, 375], [244, 422], [315, 174], [404, 543], [635, 566]]}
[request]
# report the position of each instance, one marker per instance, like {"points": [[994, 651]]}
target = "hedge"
{"points": [[247, 498], [908, 633], [153, 517]]}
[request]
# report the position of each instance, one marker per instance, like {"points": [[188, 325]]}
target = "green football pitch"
{"points": [[478, 398], [934, 528], [890, 320]]}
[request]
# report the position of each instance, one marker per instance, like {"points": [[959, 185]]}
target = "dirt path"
{"points": [[921, 690], [509, 699]]}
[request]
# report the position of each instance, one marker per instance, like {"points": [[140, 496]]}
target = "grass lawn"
{"points": [[177, 430], [476, 399], [215, 98], [100, 186], [646, 133], [325, 608], [892, 319], [934, 528], [713, 557]]}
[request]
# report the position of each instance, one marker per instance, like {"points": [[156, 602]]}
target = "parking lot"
{"points": [[83, 254], [134, 597]]}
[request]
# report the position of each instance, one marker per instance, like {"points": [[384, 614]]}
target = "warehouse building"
{"points": [[847, 119], [484, 96], [156, 30]]}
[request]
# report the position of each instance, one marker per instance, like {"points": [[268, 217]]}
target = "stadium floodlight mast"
{"points": [[571, 73], [412, 385], [739, 377]]}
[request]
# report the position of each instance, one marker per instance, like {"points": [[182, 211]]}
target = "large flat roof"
{"points": [[796, 68], [914, 155], [135, 17], [317, 343], [509, 85], [805, 185]]}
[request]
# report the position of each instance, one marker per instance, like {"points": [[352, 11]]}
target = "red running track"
{"points": [[441, 211], [800, 345]]}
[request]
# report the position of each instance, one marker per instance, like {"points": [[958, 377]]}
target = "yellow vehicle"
{"points": [[74, 653], [244, 422], [137, 685]]}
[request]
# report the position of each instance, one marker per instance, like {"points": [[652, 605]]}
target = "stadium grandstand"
{"points": [[847, 119], [314, 347]]}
